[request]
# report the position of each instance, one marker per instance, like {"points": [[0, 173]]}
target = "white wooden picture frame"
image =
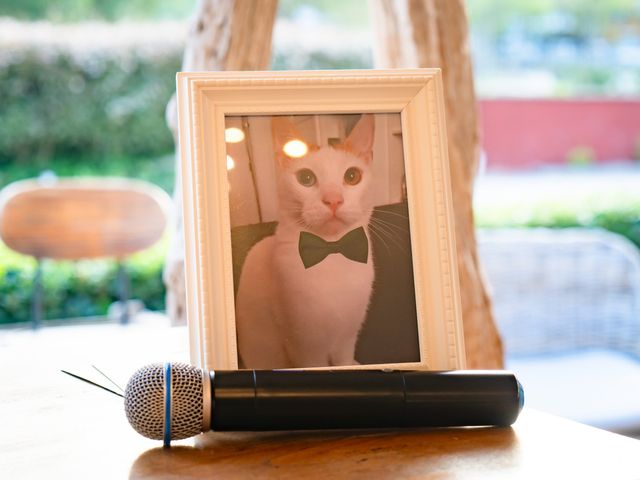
{"points": [[207, 99]]}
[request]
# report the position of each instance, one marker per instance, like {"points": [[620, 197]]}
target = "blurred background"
{"points": [[83, 90]]}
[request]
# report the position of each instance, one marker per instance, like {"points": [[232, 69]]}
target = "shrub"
{"points": [[617, 213], [77, 289], [581, 156], [96, 105]]}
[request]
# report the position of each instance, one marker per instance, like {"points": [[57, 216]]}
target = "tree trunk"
{"points": [[224, 35], [434, 33]]}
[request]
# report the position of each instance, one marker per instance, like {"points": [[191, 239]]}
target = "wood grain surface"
{"points": [[56, 427], [82, 217]]}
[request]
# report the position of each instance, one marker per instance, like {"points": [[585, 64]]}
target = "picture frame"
{"points": [[207, 101]]}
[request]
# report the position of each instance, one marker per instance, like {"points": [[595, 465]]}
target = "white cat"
{"points": [[289, 315]]}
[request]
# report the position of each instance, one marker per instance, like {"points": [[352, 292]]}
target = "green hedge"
{"points": [[616, 213], [77, 289], [95, 105], [158, 170]]}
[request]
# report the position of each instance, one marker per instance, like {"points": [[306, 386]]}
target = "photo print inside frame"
{"points": [[320, 240]]}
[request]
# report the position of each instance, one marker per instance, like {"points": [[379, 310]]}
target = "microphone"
{"points": [[176, 401]]}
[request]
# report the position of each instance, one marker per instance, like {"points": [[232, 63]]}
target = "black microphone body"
{"points": [[306, 400], [175, 401]]}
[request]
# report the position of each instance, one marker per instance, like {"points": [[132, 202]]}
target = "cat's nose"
{"points": [[333, 201]]}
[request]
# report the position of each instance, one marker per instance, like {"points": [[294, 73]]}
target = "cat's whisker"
{"points": [[385, 235], [382, 235], [295, 211], [387, 232], [391, 243], [305, 225], [373, 231], [387, 212], [300, 221], [393, 225], [398, 221], [395, 233], [396, 229]]}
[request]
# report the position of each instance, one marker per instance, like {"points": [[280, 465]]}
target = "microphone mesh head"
{"points": [[144, 401]]}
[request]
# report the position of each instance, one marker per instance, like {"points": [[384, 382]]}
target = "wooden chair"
{"points": [[82, 218]]}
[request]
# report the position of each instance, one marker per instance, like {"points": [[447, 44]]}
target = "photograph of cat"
{"points": [[320, 236], [304, 291]]}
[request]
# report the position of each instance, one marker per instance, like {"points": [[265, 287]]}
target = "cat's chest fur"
{"points": [[334, 292], [291, 316]]}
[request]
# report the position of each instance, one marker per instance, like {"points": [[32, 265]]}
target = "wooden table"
{"points": [[55, 427]]}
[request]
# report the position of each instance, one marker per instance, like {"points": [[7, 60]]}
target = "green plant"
{"points": [[73, 10], [317, 60], [77, 289], [616, 213], [157, 170], [98, 105], [581, 156]]}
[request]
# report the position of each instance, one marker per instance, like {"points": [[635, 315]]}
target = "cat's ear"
{"points": [[360, 140], [283, 130]]}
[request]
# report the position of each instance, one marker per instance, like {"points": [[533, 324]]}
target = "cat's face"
{"points": [[329, 191]]}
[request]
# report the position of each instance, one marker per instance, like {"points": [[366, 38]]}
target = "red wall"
{"points": [[526, 133]]}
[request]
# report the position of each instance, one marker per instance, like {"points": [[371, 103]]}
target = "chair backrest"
{"points": [[76, 218], [562, 289]]}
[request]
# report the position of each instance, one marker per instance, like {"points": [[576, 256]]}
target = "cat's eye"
{"points": [[352, 176], [306, 177]]}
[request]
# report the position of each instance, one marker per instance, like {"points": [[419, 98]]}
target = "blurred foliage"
{"points": [[349, 13], [55, 105], [581, 156], [317, 60], [157, 170], [494, 16], [617, 213], [586, 80], [76, 10], [354, 13], [577, 47], [587, 47], [581, 18], [77, 289]]}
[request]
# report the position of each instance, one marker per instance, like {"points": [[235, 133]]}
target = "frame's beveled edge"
{"points": [[448, 242], [198, 84], [266, 77], [199, 219], [225, 332], [446, 226], [185, 146], [431, 208]]}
